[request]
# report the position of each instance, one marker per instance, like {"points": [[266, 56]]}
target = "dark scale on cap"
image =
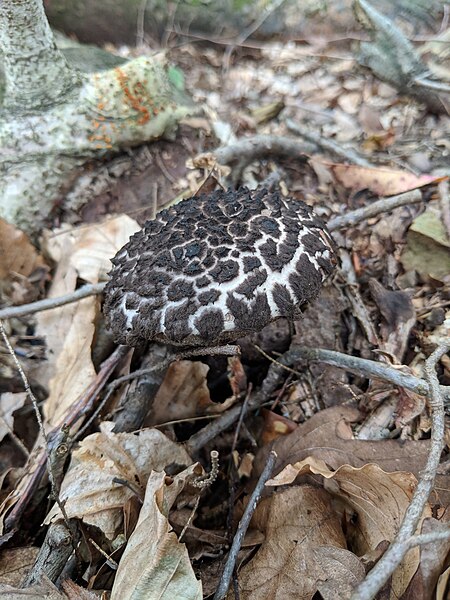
{"points": [[305, 281], [252, 283], [225, 270], [313, 243], [251, 263], [269, 226], [179, 290], [215, 267], [210, 324], [208, 297], [203, 281]]}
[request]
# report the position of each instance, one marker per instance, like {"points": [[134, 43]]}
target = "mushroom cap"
{"points": [[217, 267]]}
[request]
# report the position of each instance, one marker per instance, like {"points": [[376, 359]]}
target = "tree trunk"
{"points": [[55, 118]]}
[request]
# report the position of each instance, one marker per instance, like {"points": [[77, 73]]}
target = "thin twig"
{"points": [[242, 528], [227, 350], [360, 366], [34, 469], [393, 556], [374, 209], [54, 484], [444, 201], [368, 368], [326, 144], [48, 303], [431, 537], [437, 86], [247, 32]]}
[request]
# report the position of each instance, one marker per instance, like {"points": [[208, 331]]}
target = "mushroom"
{"points": [[217, 267]]}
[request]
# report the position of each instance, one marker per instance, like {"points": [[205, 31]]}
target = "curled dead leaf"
{"points": [[304, 550], [381, 181], [155, 565], [108, 468], [376, 501]]}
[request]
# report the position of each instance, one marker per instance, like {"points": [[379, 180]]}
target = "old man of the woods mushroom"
{"points": [[217, 267]]}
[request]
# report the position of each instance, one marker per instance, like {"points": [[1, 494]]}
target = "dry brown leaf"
{"points": [[17, 253], [88, 487], [81, 253], [327, 435], [75, 592], [381, 181], [378, 499], [9, 402], [155, 565], [183, 394], [304, 551], [275, 426], [433, 560], [45, 590], [442, 585], [15, 563]]}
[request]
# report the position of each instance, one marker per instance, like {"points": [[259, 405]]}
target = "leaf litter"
{"points": [[350, 450]]}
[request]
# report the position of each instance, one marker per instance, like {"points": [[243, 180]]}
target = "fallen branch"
{"points": [[392, 58], [393, 556], [384, 205], [28, 309], [360, 366], [330, 146], [246, 150], [74, 117], [227, 574], [437, 86], [368, 368]]}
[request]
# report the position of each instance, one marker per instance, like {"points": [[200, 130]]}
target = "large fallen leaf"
{"points": [[381, 181], [427, 250], [375, 500], [15, 563], [155, 565], [80, 253], [327, 435], [183, 394], [304, 551], [92, 487], [17, 253]]}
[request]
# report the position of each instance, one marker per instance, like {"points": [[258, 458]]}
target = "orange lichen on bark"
{"points": [[133, 97]]}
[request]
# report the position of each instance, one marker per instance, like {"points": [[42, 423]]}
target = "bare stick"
{"points": [[431, 537], [329, 145], [34, 470], [369, 368], [376, 208], [437, 86], [227, 574], [246, 150], [48, 303], [393, 556], [54, 484]]}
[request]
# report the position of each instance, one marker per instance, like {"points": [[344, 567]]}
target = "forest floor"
{"points": [[350, 443]]}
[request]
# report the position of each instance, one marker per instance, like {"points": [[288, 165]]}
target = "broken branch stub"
{"points": [[392, 58]]}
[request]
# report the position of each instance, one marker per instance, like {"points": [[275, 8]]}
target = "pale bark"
{"points": [[54, 118]]}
